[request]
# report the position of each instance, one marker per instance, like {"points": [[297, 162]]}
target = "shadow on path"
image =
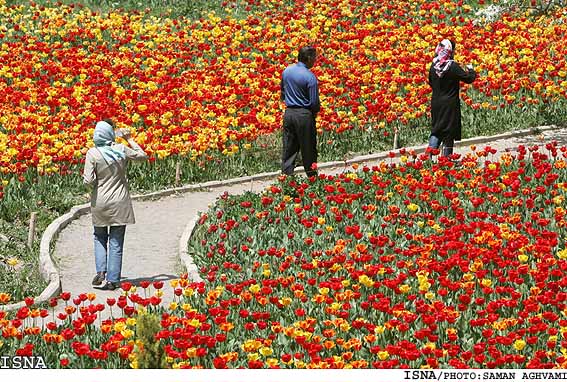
{"points": [[138, 280], [559, 136]]}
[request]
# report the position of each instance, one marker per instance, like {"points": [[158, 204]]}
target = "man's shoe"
{"points": [[99, 278], [110, 286]]}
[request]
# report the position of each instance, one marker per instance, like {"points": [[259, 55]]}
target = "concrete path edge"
{"points": [[50, 272]]}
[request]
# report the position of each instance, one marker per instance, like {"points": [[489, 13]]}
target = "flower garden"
{"points": [[417, 264]]}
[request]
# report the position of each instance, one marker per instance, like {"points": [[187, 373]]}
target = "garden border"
{"points": [[51, 274]]}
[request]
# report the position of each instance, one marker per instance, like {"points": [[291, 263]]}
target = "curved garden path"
{"points": [[152, 245]]}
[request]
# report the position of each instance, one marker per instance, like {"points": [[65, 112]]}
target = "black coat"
{"points": [[445, 101]]}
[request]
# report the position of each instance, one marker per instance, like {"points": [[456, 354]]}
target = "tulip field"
{"points": [[205, 90], [391, 266], [416, 263], [395, 266]]}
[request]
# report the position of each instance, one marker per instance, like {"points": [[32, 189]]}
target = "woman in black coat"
{"points": [[444, 78]]}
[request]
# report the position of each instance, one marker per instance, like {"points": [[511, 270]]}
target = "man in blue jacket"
{"points": [[300, 91]]}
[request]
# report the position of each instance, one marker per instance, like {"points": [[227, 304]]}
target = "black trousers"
{"points": [[299, 133]]}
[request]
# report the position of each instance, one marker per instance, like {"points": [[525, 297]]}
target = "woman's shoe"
{"points": [[110, 286], [99, 278]]}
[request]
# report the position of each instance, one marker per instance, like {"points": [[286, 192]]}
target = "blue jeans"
{"points": [[109, 244], [448, 144]]}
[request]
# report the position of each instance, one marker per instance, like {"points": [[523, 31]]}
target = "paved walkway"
{"points": [[152, 244]]}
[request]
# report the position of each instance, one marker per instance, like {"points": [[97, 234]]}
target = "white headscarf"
{"points": [[443, 57]]}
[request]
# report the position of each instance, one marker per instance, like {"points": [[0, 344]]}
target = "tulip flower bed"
{"points": [[398, 266], [204, 92], [417, 264]]}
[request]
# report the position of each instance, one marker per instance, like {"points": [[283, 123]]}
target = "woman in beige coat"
{"points": [[111, 206]]}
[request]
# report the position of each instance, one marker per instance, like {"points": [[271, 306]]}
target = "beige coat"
{"points": [[110, 197]]}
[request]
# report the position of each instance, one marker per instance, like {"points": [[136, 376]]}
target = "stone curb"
{"points": [[187, 260], [420, 149], [46, 265], [51, 274]]}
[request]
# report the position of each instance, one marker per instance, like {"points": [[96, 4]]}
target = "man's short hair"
{"points": [[306, 53]]}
